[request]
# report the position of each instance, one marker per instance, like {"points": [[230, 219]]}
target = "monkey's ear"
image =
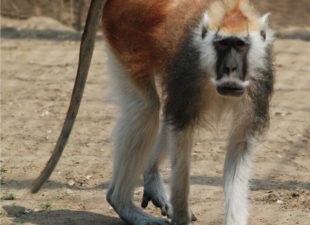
{"points": [[265, 19], [264, 23], [205, 22]]}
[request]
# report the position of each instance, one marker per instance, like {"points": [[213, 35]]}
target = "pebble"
{"points": [[71, 182], [279, 201]]}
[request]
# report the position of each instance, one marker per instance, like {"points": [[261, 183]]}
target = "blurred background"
{"points": [[285, 13]]}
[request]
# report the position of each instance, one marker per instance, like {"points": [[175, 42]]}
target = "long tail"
{"points": [[86, 52]]}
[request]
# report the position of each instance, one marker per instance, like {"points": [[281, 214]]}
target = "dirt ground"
{"points": [[36, 80]]}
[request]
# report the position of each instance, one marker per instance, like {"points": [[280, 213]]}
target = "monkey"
{"points": [[208, 58]]}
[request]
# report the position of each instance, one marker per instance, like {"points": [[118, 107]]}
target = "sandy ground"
{"points": [[36, 81]]}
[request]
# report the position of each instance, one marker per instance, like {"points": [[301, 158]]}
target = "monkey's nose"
{"points": [[230, 69]]}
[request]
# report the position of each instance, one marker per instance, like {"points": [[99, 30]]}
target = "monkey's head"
{"points": [[234, 43]]}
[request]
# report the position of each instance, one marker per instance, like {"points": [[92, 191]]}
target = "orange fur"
{"points": [[145, 35], [233, 17], [235, 22]]}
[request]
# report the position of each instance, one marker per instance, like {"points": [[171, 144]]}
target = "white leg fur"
{"points": [[181, 147], [134, 135], [236, 176]]}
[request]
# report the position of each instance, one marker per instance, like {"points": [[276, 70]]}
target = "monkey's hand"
{"points": [[154, 191]]}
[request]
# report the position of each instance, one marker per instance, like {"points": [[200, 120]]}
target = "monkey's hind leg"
{"points": [[134, 135]]}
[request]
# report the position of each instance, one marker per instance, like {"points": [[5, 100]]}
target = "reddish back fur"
{"points": [[145, 34]]}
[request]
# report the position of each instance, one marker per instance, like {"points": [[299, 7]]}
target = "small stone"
{"points": [[71, 182], [44, 113], [295, 195], [28, 211], [279, 202], [38, 210]]}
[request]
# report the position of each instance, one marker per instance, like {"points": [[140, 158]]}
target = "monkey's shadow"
{"points": [[59, 217]]}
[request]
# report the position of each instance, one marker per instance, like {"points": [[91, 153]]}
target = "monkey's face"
{"points": [[231, 64], [232, 60]]}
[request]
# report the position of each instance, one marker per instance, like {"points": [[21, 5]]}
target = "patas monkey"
{"points": [[210, 57]]}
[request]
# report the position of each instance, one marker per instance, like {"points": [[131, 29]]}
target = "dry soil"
{"points": [[36, 80]]}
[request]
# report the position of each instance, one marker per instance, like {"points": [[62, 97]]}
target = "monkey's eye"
{"points": [[204, 32], [222, 44], [241, 45], [263, 34]]}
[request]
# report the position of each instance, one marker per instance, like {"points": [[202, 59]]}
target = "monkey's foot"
{"points": [[135, 216], [132, 215]]}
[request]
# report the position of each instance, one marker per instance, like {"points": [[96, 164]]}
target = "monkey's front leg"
{"points": [[180, 181], [153, 184], [236, 176]]}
